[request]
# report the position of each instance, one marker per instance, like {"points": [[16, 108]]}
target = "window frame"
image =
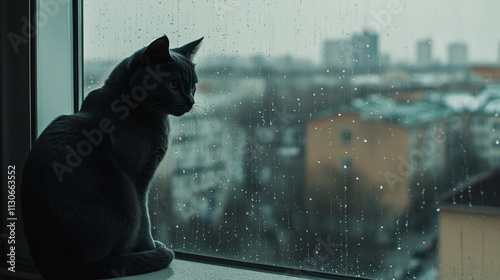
{"points": [[26, 132], [18, 125]]}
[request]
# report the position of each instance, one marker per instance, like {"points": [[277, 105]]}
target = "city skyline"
{"points": [[298, 29]]}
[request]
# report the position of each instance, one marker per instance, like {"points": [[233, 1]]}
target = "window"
{"points": [[481, 121], [257, 172], [55, 80], [346, 136], [496, 126]]}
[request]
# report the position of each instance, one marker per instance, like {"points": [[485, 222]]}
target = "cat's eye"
{"points": [[173, 84]]}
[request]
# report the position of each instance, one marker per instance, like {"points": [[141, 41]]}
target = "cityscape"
{"points": [[355, 166]]}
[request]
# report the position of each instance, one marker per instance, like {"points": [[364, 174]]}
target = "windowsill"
{"points": [[183, 269]]}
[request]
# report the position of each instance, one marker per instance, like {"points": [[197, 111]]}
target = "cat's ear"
{"points": [[189, 50], [158, 50]]}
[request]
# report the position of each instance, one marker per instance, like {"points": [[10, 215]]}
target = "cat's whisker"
{"points": [[199, 117], [151, 112]]}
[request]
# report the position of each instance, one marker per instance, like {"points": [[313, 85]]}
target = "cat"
{"points": [[85, 185]]}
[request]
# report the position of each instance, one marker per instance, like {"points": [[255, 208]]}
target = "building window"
{"points": [[346, 136], [480, 121], [496, 126]]}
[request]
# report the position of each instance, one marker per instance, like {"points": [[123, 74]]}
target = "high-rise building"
{"points": [[365, 51], [457, 54], [360, 52], [424, 53], [337, 54]]}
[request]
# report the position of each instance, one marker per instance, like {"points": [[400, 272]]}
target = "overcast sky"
{"points": [[115, 28]]}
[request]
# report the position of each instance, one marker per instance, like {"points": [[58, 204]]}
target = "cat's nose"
{"points": [[190, 100]]}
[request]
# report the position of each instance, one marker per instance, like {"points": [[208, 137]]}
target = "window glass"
{"points": [[325, 133], [54, 61]]}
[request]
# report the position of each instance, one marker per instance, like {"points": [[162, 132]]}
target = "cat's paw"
{"points": [[168, 253], [159, 244]]}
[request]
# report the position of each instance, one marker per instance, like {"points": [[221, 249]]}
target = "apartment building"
{"points": [[375, 159], [485, 127], [469, 229]]}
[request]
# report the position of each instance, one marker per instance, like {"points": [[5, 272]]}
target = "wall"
{"points": [[469, 245], [376, 149]]}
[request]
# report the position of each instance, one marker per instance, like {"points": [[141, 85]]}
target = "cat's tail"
{"points": [[131, 264], [112, 267]]}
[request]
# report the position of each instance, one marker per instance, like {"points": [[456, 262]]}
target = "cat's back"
{"points": [[61, 148], [61, 134]]}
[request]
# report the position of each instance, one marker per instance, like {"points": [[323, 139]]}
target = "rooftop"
{"points": [[378, 107], [480, 190], [435, 106]]}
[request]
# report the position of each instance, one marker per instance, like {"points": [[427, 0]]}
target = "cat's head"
{"points": [[167, 74]]}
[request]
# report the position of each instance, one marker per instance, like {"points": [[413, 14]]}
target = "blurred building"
{"points": [[208, 162], [485, 126], [469, 229], [457, 54], [486, 74], [337, 54], [205, 161], [365, 50], [360, 52], [378, 159], [385, 60], [424, 53]]}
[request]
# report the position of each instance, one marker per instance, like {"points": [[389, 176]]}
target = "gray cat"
{"points": [[85, 186]]}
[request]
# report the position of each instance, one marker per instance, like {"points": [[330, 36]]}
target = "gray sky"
{"points": [[114, 29]]}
